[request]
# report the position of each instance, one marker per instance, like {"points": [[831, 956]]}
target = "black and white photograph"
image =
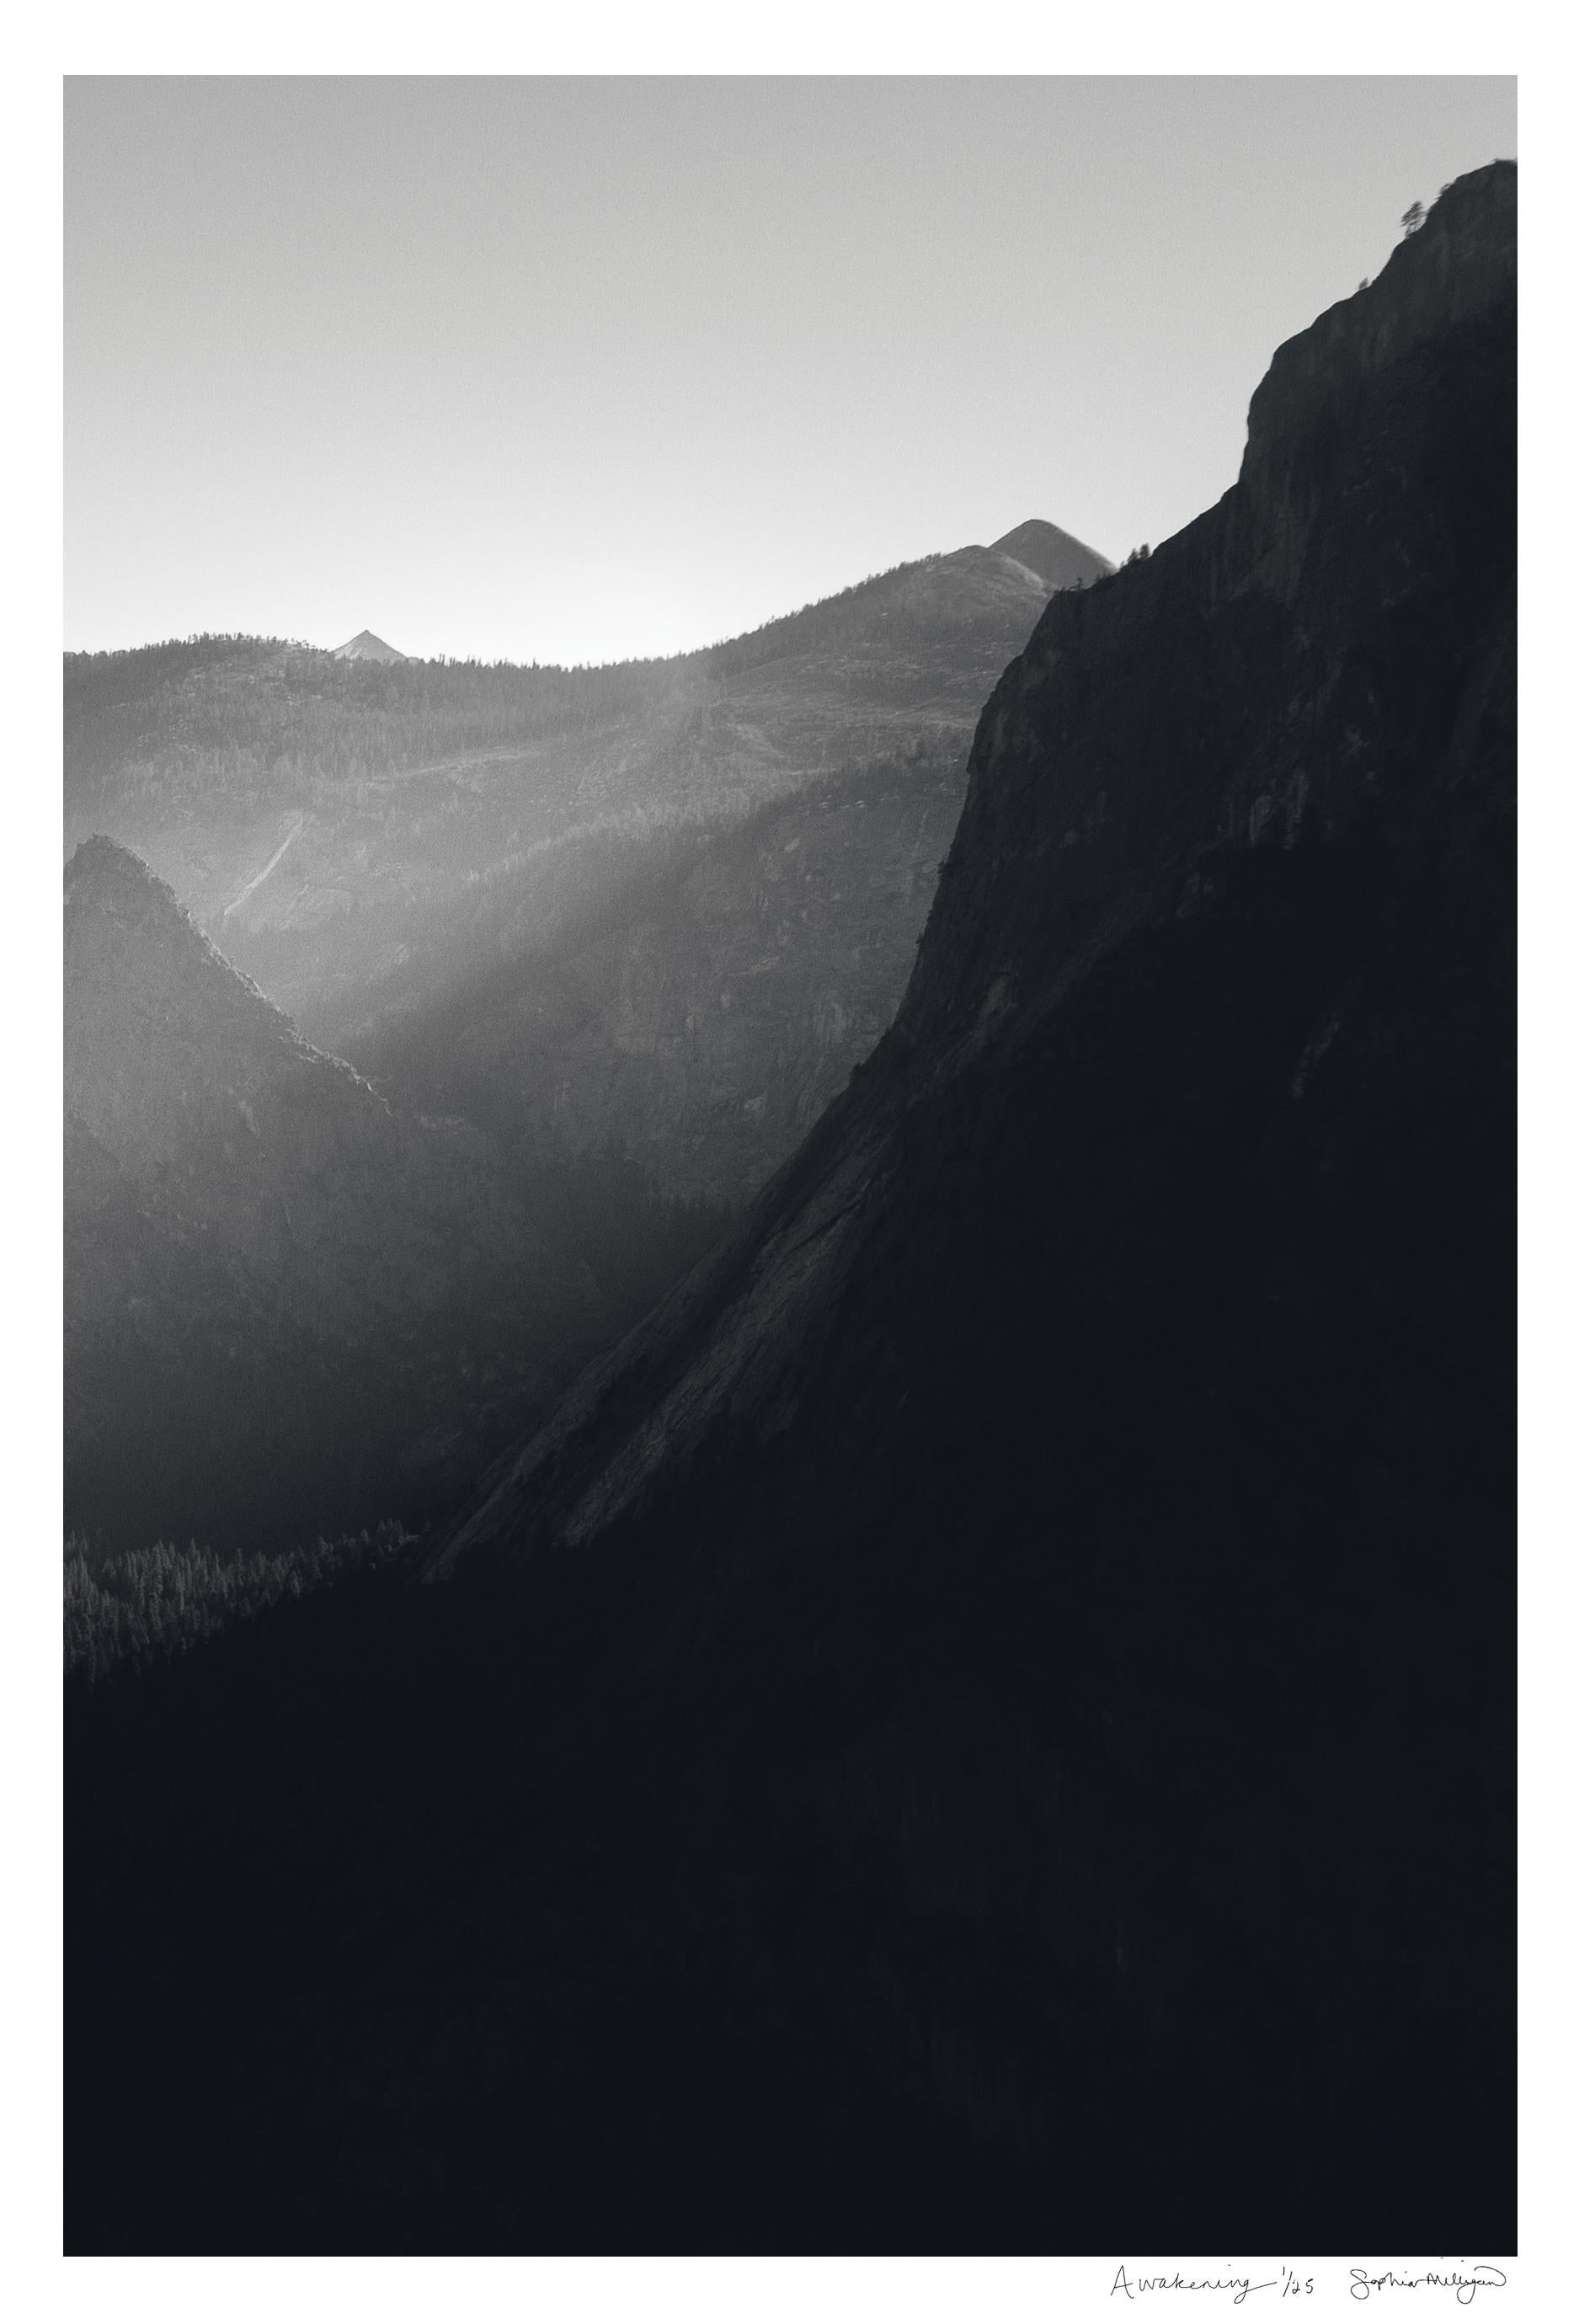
{"points": [[789, 1287]]}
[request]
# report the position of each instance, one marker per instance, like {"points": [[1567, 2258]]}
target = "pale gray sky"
{"points": [[572, 370]]}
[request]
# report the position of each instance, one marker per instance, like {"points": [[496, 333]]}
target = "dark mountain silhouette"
{"points": [[1055, 869], [660, 910], [365, 647], [987, 1723]]}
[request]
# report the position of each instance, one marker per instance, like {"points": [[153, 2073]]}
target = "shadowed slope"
{"points": [[1119, 1381], [988, 1723]]}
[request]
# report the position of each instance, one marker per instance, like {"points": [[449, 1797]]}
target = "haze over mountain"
{"points": [[987, 1721], [285, 1305], [659, 909]]}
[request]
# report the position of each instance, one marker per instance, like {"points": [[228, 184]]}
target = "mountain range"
{"points": [[986, 1721], [276, 1271], [659, 910]]}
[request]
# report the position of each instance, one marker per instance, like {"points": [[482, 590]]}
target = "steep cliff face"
{"points": [[1105, 1418], [1285, 665], [1314, 677], [251, 1234]]}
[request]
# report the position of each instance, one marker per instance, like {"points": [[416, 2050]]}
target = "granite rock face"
{"points": [[1325, 658], [1105, 1416], [1282, 665]]}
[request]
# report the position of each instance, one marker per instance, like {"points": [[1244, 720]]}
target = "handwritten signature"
{"points": [[1483, 2277]]}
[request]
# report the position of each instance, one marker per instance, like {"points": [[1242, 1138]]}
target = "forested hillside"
{"points": [[143, 1606], [408, 853]]}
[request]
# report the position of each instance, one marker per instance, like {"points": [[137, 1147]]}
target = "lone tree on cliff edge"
{"points": [[1413, 218]]}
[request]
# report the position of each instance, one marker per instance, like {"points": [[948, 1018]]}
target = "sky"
{"points": [[566, 370]]}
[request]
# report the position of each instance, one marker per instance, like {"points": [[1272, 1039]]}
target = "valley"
{"points": [[962, 1725], [285, 1304], [393, 851]]}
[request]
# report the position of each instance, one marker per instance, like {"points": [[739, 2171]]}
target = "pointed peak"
{"points": [[105, 883], [1055, 557], [365, 647], [102, 866]]}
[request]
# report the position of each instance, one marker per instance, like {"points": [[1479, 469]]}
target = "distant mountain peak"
{"points": [[365, 647], [1055, 557]]}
